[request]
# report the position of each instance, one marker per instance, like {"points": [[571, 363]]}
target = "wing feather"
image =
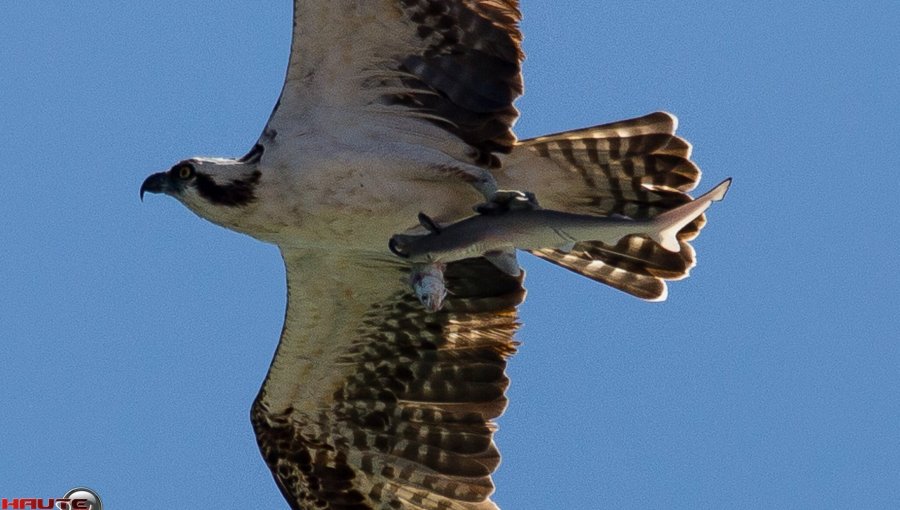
{"points": [[453, 64], [371, 401]]}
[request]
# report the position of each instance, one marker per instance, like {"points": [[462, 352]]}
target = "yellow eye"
{"points": [[185, 171]]}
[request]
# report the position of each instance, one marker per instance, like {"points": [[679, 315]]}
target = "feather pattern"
{"points": [[636, 168], [372, 402], [453, 64], [389, 106]]}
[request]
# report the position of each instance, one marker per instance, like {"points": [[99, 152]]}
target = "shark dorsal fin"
{"points": [[429, 223]]}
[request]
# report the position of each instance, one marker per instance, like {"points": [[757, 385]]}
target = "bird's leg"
{"points": [[508, 200], [427, 281]]}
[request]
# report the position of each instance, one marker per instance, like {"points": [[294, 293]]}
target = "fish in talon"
{"points": [[534, 229]]}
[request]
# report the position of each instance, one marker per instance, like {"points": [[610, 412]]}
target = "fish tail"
{"points": [[638, 168], [664, 228]]}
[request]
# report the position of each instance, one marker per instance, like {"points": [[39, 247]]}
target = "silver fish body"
{"points": [[541, 228]]}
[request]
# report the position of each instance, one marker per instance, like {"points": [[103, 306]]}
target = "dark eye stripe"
{"points": [[236, 193]]}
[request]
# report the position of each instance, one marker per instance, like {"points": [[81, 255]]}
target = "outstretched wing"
{"points": [[373, 403], [454, 64]]}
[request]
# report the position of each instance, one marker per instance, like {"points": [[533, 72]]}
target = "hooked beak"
{"points": [[156, 183]]}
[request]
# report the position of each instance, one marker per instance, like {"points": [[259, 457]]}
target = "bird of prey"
{"points": [[391, 108]]}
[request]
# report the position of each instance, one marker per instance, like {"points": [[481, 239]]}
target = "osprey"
{"points": [[391, 108]]}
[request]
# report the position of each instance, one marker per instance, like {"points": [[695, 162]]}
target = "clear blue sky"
{"points": [[133, 337]]}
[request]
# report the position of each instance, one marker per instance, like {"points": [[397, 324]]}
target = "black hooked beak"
{"points": [[156, 183]]}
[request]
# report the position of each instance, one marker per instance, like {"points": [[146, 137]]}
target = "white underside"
{"points": [[353, 193]]}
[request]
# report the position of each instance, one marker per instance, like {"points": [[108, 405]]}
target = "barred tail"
{"points": [[636, 168]]}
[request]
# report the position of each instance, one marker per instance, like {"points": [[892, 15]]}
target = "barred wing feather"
{"points": [[454, 64], [372, 402]]}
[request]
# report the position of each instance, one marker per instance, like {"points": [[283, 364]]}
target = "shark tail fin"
{"points": [[638, 168], [666, 226]]}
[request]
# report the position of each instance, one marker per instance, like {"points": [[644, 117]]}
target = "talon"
{"points": [[509, 200], [488, 208]]}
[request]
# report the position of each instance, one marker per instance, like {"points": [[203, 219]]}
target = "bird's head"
{"points": [[216, 189]]}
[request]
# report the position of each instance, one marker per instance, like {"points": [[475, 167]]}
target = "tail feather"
{"points": [[678, 147], [635, 265], [651, 124], [637, 168]]}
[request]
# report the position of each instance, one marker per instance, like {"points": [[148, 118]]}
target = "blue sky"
{"points": [[135, 336]]}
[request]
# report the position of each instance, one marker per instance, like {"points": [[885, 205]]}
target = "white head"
{"points": [[214, 188]]}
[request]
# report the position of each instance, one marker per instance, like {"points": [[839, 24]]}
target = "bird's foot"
{"points": [[508, 200]]}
